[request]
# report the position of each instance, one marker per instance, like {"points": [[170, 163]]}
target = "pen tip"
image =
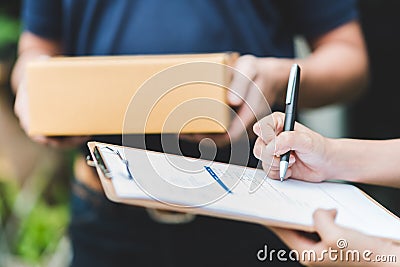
{"points": [[282, 169]]}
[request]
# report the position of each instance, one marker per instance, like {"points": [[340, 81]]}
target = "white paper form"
{"points": [[224, 189]]}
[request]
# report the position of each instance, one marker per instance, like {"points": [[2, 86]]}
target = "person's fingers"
{"points": [[274, 122], [43, 140], [242, 78], [265, 130], [244, 117], [187, 137], [76, 140], [254, 107], [269, 126], [274, 174], [193, 137], [324, 223], [21, 107], [275, 166], [258, 147], [60, 142], [272, 166], [265, 152]]}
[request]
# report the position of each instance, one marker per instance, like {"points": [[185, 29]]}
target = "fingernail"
{"points": [[256, 152], [333, 211], [256, 128]]}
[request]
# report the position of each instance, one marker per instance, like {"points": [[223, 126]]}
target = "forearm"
{"points": [[334, 73], [365, 161], [336, 70], [31, 47]]}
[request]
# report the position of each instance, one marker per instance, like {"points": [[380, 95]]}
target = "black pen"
{"points": [[290, 113]]}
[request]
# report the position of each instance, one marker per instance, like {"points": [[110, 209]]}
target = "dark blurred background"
{"points": [[376, 115]]}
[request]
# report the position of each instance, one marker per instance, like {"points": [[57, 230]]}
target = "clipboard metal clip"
{"points": [[98, 162]]}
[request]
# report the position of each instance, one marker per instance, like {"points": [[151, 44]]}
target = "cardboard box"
{"points": [[129, 94]]}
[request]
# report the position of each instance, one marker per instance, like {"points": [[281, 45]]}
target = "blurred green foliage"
{"points": [[41, 232], [8, 191], [10, 28], [9, 33]]}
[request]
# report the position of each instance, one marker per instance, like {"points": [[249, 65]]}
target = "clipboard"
{"points": [[98, 163], [106, 178]]}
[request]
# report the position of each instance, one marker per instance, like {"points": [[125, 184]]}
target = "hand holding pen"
{"points": [[309, 160]]}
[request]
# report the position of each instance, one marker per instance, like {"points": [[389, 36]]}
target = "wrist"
{"points": [[349, 159], [332, 158]]}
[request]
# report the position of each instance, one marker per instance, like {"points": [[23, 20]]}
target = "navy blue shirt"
{"points": [[110, 27]]}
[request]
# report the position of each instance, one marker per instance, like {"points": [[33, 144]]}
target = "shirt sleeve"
{"points": [[43, 18], [313, 18]]}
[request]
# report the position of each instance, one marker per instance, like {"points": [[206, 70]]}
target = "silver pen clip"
{"points": [[291, 84]]}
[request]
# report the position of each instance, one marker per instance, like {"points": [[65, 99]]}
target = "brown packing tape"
{"points": [[91, 95]]}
